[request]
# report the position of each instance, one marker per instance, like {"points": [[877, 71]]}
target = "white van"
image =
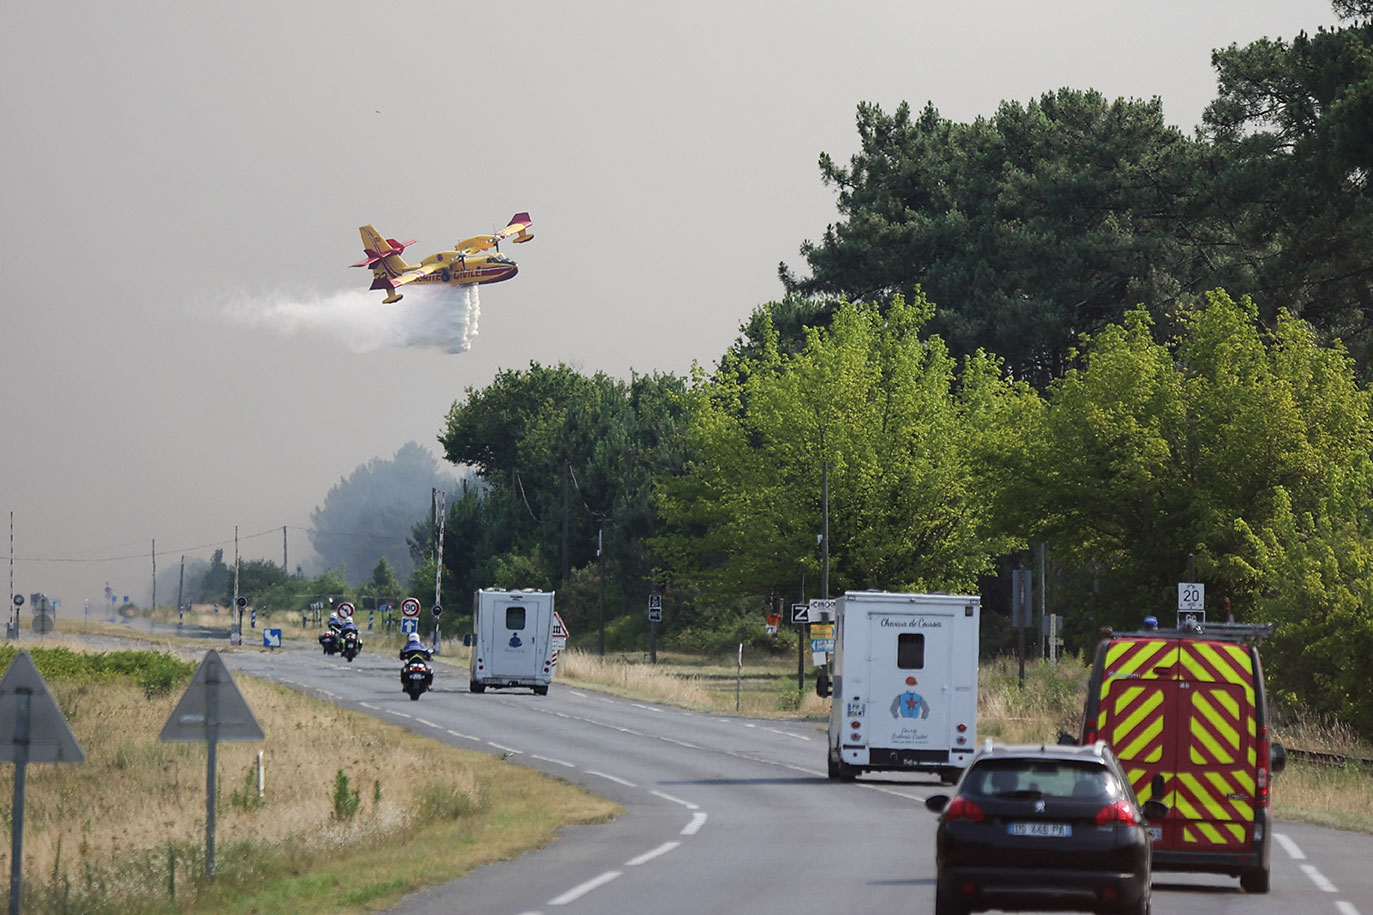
{"points": [[513, 641], [905, 683]]}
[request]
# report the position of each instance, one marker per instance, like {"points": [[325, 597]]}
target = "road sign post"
{"points": [[212, 709], [32, 729]]}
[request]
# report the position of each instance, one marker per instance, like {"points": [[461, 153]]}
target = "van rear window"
{"points": [[514, 617], [910, 651]]}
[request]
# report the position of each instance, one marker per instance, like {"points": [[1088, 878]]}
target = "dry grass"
{"points": [[766, 687], [112, 830]]}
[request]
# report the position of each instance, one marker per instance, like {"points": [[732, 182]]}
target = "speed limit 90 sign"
{"points": [[409, 607]]}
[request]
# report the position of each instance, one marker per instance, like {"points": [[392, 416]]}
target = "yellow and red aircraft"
{"points": [[474, 260]]}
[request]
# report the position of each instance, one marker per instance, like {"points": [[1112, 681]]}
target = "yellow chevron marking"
{"points": [[1223, 753], [1214, 809], [1140, 728]]}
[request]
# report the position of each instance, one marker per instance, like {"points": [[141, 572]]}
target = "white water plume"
{"points": [[437, 317]]}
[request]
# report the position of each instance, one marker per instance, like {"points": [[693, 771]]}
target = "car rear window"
{"points": [[1050, 778]]}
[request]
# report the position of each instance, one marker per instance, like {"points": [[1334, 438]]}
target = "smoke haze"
{"points": [[436, 317]]}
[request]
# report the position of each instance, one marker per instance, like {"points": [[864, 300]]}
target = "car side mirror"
{"points": [[1155, 810], [823, 686], [1277, 757], [937, 802]]}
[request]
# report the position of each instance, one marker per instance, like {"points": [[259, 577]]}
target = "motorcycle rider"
{"points": [[332, 632], [416, 649]]}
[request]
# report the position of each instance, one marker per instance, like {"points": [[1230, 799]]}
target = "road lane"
{"points": [[724, 813]]}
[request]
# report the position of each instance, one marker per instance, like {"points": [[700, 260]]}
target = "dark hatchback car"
{"points": [[1043, 827]]}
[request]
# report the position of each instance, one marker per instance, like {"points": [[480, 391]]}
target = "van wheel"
{"points": [[476, 687], [1255, 881], [948, 775], [541, 690], [838, 769]]}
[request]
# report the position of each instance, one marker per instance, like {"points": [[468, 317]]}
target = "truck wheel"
{"points": [[838, 769], [476, 687], [948, 775], [541, 690], [1255, 881]]}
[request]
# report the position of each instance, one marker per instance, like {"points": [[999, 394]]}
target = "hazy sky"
{"points": [[169, 165]]}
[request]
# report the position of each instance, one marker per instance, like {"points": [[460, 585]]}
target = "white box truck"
{"points": [[513, 642], [905, 683]]}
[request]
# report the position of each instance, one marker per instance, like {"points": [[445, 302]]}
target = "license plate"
{"points": [[417, 676], [1048, 830], [1156, 833]]}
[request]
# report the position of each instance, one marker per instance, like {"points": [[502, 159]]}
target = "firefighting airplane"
{"points": [[471, 261]]}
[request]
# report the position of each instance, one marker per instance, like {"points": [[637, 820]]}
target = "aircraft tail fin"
{"points": [[520, 222], [383, 254]]}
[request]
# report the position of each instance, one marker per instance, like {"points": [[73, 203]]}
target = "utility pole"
{"points": [[154, 573], [600, 558], [825, 532], [284, 567]]}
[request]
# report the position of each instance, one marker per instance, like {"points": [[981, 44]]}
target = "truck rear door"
{"points": [[910, 672], [1216, 790], [512, 651]]}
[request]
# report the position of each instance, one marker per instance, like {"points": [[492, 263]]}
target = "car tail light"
{"points": [[1120, 812], [1262, 752], [960, 808]]}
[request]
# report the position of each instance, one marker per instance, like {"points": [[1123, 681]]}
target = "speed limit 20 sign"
{"points": [[1191, 596]]}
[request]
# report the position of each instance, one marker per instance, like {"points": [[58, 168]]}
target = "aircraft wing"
{"points": [[411, 275], [517, 227]]}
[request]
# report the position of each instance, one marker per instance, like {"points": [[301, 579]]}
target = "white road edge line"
{"points": [[1322, 884], [502, 747], [428, 724], [680, 743], [1293, 852], [616, 779], [648, 708], [577, 892], [1346, 908], [787, 734], [402, 714], [698, 819], [464, 736], [676, 800], [369, 705], [558, 762], [650, 855]]}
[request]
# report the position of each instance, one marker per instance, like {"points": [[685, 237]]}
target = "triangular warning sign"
{"points": [[212, 706], [559, 629], [26, 705]]}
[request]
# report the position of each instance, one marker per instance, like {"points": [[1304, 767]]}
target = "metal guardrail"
{"points": [[1321, 758]]}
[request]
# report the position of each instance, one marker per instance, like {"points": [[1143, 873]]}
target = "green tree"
{"points": [[885, 410], [1292, 172], [1209, 446], [1028, 228]]}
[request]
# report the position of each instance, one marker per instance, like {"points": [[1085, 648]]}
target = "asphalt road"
{"points": [[732, 814]]}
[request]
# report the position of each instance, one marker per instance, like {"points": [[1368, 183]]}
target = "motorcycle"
{"points": [[415, 678], [351, 644], [329, 641]]}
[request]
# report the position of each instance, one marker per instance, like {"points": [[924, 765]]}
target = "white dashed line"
{"points": [[556, 762], [787, 734], [1293, 852], [577, 892], [680, 743], [464, 736], [402, 714], [698, 819], [617, 780], [369, 705], [676, 800], [502, 747], [428, 724], [1322, 884], [1346, 908], [650, 855], [647, 708]]}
